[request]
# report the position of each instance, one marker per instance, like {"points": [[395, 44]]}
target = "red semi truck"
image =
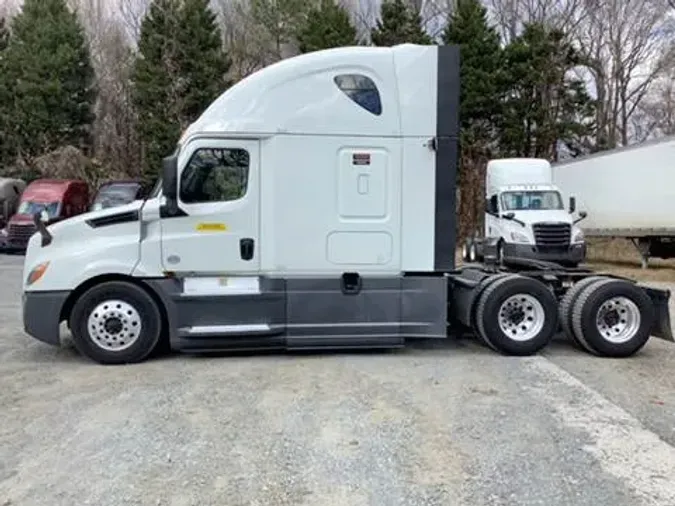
{"points": [[56, 199]]}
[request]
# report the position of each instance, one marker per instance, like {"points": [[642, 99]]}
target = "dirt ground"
{"points": [[438, 423]]}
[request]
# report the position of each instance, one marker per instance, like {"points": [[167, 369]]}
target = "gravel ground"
{"points": [[434, 424]]}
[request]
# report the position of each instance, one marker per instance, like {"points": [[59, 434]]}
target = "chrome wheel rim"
{"points": [[114, 325], [618, 320], [521, 317]]}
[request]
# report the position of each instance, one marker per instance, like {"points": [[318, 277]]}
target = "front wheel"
{"points": [[115, 322]]}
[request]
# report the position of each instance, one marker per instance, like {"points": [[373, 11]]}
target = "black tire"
{"points": [[586, 309], [532, 301], [485, 284], [566, 305], [125, 299]]}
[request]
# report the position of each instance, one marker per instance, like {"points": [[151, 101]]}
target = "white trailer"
{"points": [[312, 205], [626, 193]]}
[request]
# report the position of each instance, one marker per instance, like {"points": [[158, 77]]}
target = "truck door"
{"points": [[217, 228]]}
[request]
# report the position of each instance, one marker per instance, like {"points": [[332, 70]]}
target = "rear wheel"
{"points": [[613, 318], [566, 305], [517, 315], [115, 323]]}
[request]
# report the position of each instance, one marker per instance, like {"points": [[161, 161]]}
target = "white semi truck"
{"points": [[312, 205], [627, 193], [526, 216]]}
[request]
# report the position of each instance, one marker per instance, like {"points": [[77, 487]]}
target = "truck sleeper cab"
{"points": [[310, 206]]}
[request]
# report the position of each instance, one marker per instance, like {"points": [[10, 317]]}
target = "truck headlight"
{"points": [[578, 236], [518, 237]]}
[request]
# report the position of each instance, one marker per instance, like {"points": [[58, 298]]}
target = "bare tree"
{"points": [[624, 46], [510, 15]]}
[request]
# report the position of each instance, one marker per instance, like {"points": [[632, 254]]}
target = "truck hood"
{"points": [[544, 216], [81, 219]]}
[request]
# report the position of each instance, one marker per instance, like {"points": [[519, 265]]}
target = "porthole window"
{"points": [[362, 90]]}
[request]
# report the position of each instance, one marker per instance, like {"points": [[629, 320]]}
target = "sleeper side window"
{"points": [[215, 175], [362, 90]]}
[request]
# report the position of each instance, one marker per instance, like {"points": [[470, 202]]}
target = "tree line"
{"points": [[121, 93]]}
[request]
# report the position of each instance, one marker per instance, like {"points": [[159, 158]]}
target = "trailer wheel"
{"points": [[613, 318], [517, 315], [566, 305], [115, 323]]}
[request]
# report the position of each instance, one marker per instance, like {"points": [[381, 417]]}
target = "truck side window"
{"points": [[215, 175], [492, 206], [362, 90]]}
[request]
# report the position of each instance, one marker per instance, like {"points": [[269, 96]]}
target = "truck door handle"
{"points": [[246, 247]]}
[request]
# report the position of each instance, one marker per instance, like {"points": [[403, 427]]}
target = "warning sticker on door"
{"points": [[361, 159]]}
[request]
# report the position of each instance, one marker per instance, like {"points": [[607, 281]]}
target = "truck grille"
{"points": [[552, 234], [20, 234]]}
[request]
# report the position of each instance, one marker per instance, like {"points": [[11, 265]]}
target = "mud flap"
{"points": [[660, 300]]}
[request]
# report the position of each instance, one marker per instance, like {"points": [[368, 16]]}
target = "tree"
{"points": [[4, 34], [47, 70], [5, 153], [180, 70], [398, 24], [626, 46], [281, 20], [327, 25], [480, 67], [544, 106]]}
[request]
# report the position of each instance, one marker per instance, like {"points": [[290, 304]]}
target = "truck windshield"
{"points": [[30, 208], [531, 200]]}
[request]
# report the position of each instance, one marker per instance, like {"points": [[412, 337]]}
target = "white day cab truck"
{"points": [[312, 206], [627, 194], [526, 216]]}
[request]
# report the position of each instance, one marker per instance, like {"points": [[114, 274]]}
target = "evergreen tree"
{"points": [[4, 97], [4, 34], [280, 20], [180, 70], [545, 106], [47, 71], [398, 24], [327, 25], [480, 66]]}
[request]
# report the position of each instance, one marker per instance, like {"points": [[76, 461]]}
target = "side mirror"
{"points": [[509, 216], [582, 215], [170, 178], [573, 204]]}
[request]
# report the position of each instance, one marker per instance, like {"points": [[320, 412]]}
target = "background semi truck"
{"points": [[10, 196], [312, 206], [55, 199], [627, 193], [526, 216]]}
